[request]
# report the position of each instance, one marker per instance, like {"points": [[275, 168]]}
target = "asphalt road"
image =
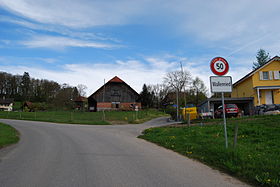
{"points": [[67, 155]]}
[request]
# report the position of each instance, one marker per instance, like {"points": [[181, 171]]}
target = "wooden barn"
{"points": [[114, 95]]}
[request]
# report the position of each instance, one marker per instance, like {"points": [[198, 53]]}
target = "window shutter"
{"points": [[270, 75], [276, 74], [261, 75]]}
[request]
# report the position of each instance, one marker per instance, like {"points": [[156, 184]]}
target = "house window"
{"points": [[276, 75], [265, 75]]}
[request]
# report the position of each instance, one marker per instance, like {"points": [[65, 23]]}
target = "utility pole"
{"points": [[103, 100], [185, 99], [177, 103]]}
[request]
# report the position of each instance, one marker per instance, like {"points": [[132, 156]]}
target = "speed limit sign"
{"points": [[219, 66]]}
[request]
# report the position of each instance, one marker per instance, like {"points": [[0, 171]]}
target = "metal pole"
{"points": [[177, 110], [225, 122], [185, 99]]}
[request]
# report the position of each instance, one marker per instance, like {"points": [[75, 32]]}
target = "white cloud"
{"points": [[133, 72], [58, 42], [64, 31], [82, 13], [239, 26]]}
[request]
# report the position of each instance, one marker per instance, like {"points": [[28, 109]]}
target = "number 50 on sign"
{"points": [[219, 66]]}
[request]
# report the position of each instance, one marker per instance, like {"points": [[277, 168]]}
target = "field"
{"points": [[256, 158], [8, 135], [91, 118]]}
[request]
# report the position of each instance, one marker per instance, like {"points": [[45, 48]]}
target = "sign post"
{"points": [[221, 84]]}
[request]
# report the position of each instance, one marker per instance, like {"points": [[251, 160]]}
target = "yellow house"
{"points": [[263, 84]]}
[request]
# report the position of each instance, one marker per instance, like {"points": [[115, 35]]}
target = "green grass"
{"points": [[8, 135], [256, 158], [91, 118]]}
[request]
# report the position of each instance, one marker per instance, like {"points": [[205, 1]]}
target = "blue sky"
{"points": [[85, 41]]}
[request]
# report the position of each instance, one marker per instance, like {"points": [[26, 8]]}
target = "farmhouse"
{"points": [[263, 84], [114, 95], [80, 103], [6, 104]]}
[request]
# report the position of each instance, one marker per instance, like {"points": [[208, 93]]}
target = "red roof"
{"points": [[80, 99], [116, 79]]}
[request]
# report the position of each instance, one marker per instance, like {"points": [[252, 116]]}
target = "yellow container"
{"points": [[192, 111]]}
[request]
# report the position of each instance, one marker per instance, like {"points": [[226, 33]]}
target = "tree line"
{"points": [[24, 88], [177, 84]]}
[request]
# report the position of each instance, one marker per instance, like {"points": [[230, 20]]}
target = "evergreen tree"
{"points": [[262, 58], [25, 86], [75, 93], [146, 97]]}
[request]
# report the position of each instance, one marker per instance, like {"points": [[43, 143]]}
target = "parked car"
{"points": [[231, 110]]}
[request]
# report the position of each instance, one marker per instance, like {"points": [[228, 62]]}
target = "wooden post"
{"points": [[235, 135], [189, 119]]}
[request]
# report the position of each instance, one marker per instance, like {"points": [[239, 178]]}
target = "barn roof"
{"points": [[115, 79]]}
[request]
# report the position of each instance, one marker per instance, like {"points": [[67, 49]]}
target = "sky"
{"points": [[87, 41]]}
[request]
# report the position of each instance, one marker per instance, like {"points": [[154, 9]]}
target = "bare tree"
{"points": [[200, 90], [82, 89], [159, 91], [177, 80]]}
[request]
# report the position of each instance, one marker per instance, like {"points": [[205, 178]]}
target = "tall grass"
{"points": [[93, 118], [255, 159]]}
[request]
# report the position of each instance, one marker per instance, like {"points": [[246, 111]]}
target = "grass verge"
{"points": [[256, 159], [8, 135], [91, 118]]}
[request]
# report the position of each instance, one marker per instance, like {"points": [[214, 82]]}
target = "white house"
{"points": [[6, 104]]}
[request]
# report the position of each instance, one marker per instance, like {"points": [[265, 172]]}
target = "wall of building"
{"points": [[116, 92], [276, 94], [117, 106], [6, 107], [244, 89], [273, 66]]}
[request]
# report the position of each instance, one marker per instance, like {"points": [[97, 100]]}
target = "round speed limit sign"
{"points": [[219, 66]]}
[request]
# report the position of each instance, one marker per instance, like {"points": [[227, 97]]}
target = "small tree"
{"points": [[200, 90], [177, 80], [75, 93], [159, 92], [146, 97], [262, 58]]}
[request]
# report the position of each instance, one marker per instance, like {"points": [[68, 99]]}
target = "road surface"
{"points": [[50, 155]]}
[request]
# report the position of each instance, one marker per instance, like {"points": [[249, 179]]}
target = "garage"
{"points": [[245, 104]]}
